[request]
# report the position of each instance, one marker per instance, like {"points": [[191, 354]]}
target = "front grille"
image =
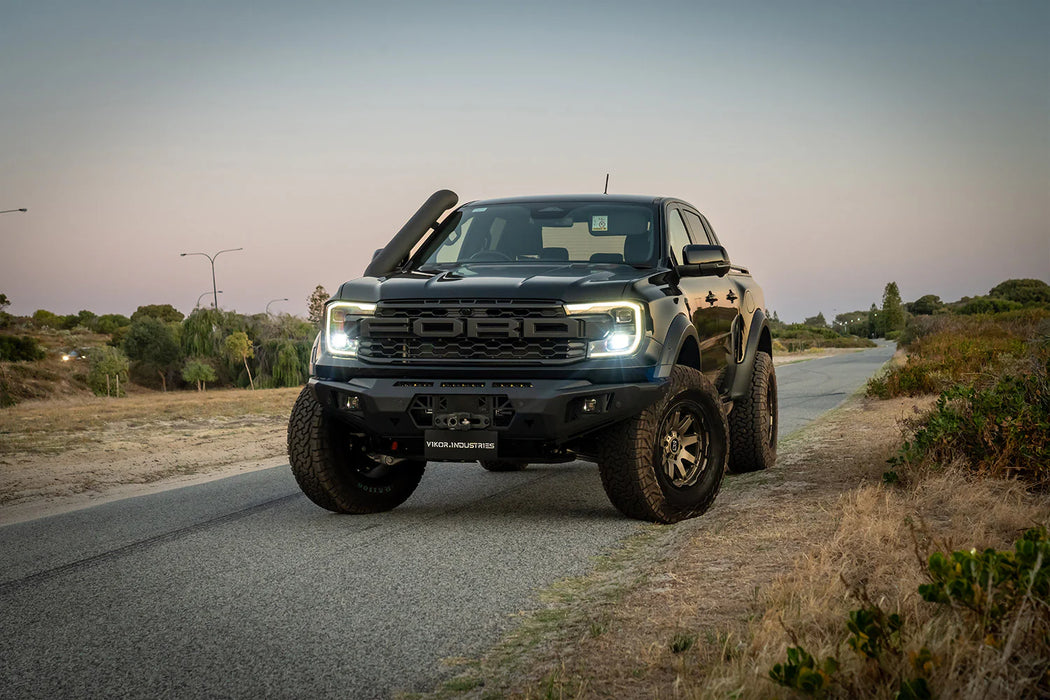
{"points": [[479, 331], [471, 308], [472, 349]]}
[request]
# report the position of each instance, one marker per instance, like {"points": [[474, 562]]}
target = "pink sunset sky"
{"points": [[834, 146]]}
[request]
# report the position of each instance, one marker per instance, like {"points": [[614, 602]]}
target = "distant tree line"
{"points": [[889, 319], [159, 347]]}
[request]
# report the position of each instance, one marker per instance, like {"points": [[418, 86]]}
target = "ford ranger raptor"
{"points": [[605, 328]]}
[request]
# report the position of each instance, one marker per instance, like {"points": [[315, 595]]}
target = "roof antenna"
{"points": [[606, 184]]}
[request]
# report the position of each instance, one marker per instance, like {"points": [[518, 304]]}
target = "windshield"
{"points": [[592, 232]]}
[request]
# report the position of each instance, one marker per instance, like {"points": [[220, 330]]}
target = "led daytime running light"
{"points": [[336, 340], [617, 336]]}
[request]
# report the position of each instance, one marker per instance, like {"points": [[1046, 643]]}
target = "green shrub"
{"points": [[997, 599], [801, 672], [993, 586], [1001, 430], [108, 373], [23, 349]]}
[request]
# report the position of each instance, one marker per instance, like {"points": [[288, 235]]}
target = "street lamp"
{"points": [[272, 301], [211, 259], [8, 211], [202, 296]]}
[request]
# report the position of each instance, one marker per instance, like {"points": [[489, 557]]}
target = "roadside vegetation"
{"points": [[969, 614], [47, 355], [902, 552]]}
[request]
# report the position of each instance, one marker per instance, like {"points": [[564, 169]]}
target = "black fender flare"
{"points": [[680, 331], [759, 338]]}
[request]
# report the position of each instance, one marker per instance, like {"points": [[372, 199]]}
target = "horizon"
{"points": [[833, 148]]}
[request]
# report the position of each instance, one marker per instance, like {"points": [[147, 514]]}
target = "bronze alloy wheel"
{"points": [[683, 445]]}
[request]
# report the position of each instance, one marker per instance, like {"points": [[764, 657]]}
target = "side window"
{"points": [[696, 227], [677, 235]]}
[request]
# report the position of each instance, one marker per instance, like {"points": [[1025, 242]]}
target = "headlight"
{"points": [[341, 327], [625, 335]]}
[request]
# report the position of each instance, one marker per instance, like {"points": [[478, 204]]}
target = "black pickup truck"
{"points": [[525, 330]]}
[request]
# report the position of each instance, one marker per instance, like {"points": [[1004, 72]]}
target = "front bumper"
{"points": [[533, 419]]}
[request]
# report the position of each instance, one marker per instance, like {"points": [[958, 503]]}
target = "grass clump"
{"points": [[993, 602]]}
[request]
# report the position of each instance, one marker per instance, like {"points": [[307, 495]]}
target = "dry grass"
{"points": [[705, 608], [877, 555], [53, 425], [62, 453]]}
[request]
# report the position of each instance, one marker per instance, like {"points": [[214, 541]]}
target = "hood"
{"points": [[569, 282]]}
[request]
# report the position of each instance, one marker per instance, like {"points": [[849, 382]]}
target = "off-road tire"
{"points": [[632, 454], [334, 473], [503, 465], [753, 421]]}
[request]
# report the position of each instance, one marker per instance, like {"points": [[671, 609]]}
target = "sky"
{"points": [[833, 146]]}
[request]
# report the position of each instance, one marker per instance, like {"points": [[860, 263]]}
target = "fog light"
{"points": [[351, 402], [589, 405]]}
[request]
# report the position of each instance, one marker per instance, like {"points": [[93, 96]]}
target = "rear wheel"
{"points": [[753, 421], [335, 472], [666, 464], [503, 465]]}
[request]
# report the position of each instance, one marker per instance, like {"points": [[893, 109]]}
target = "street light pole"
{"points": [[8, 211], [272, 301], [211, 259], [201, 297]]}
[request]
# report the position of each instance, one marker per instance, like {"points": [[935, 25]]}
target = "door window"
{"points": [[677, 235], [696, 227]]}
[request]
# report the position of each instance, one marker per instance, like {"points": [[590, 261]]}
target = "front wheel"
{"points": [[666, 464], [753, 421], [335, 472]]}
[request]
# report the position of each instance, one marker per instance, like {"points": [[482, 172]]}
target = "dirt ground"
{"points": [[61, 454]]}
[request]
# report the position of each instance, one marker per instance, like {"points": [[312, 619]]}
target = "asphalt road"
{"points": [[242, 588]]}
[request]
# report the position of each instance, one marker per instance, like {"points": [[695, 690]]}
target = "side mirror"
{"points": [[704, 260]]}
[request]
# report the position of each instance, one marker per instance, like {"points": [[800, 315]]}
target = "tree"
{"points": [[892, 309], [315, 306], [4, 302], [199, 371], [163, 312], [852, 323], [108, 372], [110, 323], [925, 305], [42, 318], [1023, 291], [287, 369], [154, 346], [875, 325], [239, 347], [817, 321]]}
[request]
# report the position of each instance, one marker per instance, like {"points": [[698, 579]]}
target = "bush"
{"points": [[995, 601], [23, 349], [987, 305], [1001, 430], [946, 350], [108, 374]]}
